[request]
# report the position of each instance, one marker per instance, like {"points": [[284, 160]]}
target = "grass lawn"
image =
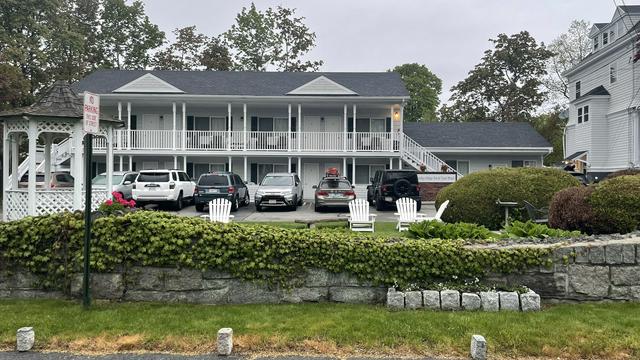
{"points": [[607, 331], [387, 229]]}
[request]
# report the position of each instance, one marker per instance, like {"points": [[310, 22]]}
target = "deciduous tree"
{"points": [[505, 86], [424, 88]]}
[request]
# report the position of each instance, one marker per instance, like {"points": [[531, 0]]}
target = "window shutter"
{"points": [[388, 124], [254, 123], [190, 167], [190, 121], [254, 173], [350, 124], [134, 122], [294, 123]]}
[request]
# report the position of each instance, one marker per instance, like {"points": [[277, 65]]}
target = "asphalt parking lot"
{"points": [[304, 212]]}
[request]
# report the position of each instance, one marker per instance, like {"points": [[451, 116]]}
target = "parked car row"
{"points": [[276, 190]]}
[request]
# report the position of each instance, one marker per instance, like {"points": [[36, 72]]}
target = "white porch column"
{"points": [[244, 130], [109, 161], [6, 147], [289, 164], [346, 126], [289, 133], [31, 190], [130, 162], [184, 126], [47, 160], [246, 173], [354, 130], [184, 163], [390, 163], [401, 137], [173, 134], [15, 145], [175, 161], [299, 128], [229, 130], [78, 165], [230, 164], [121, 160], [299, 169], [129, 125], [353, 171], [344, 166]]}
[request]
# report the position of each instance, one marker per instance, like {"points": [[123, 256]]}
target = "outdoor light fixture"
{"points": [[396, 115]]}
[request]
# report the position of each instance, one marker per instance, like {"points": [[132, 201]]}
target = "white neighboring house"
{"points": [[603, 132]]}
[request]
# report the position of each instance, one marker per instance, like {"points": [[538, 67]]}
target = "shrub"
{"points": [[473, 198], [529, 229], [616, 204], [51, 247], [439, 230], [612, 206], [622, 173]]}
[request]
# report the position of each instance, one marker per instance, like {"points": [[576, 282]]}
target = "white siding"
{"points": [[479, 162], [618, 141], [598, 131]]}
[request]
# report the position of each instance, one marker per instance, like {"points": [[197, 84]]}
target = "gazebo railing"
{"points": [[48, 201]]}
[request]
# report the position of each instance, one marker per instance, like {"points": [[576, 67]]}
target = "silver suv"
{"points": [[279, 190], [122, 182]]}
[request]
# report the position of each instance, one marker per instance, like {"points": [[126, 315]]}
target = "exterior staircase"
{"points": [[60, 153], [417, 155]]}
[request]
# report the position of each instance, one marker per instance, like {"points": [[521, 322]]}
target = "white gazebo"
{"points": [[54, 118]]}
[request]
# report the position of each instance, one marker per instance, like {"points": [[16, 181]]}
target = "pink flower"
{"points": [[132, 203], [108, 202], [116, 195]]}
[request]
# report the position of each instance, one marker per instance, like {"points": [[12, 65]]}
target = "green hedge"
{"points": [[51, 246], [611, 206], [472, 199]]}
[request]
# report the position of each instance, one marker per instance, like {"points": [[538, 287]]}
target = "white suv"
{"points": [[163, 186]]}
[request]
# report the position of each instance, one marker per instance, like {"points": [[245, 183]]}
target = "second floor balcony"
{"points": [[284, 141]]}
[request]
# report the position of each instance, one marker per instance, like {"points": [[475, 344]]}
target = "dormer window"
{"points": [[595, 43], [605, 38], [612, 35], [577, 89]]}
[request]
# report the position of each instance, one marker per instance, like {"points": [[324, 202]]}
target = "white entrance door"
{"points": [[310, 177]]}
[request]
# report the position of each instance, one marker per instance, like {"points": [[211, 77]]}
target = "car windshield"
{"points": [[153, 177], [277, 181], [213, 180], [335, 184], [64, 178], [102, 179]]}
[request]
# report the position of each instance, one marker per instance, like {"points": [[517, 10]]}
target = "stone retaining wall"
{"points": [[598, 270]]}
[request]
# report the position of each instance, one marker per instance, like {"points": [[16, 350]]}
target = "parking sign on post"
{"points": [[91, 126], [91, 113]]}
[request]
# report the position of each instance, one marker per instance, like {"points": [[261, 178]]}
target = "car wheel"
{"points": [[301, 200], [234, 204], [200, 207], [258, 208], [247, 200], [178, 203], [419, 205], [316, 208], [294, 206], [379, 204]]}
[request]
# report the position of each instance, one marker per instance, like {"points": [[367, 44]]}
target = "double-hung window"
{"points": [[605, 38], [595, 43], [577, 89], [580, 115], [583, 114]]}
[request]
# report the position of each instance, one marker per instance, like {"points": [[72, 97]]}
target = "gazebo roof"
{"points": [[58, 101]]}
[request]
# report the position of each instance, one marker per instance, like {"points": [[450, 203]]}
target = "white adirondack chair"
{"points": [[439, 213], [220, 211], [407, 213], [359, 217]]}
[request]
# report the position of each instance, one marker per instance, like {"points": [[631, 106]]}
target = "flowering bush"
{"points": [[119, 206]]}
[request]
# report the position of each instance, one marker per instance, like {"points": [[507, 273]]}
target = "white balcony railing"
{"points": [[198, 140]]}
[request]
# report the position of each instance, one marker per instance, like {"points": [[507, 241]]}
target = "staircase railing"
{"points": [[417, 155], [59, 153]]}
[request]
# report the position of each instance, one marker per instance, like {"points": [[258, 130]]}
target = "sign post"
{"points": [[90, 126]]}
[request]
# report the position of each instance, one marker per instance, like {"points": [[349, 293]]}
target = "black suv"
{"points": [[222, 184], [390, 185]]}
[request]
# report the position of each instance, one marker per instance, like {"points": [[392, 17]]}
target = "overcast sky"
{"points": [[448, 36]]}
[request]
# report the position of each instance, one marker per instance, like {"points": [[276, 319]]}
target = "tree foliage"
{"points": [[424, 88], [505, 86], [568, 50], [273, 38], [551, 126], [192, 51]]}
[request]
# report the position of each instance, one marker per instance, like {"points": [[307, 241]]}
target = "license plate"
{"points": [[272, 201], [334, 195], [214, 191], [388, 199]]}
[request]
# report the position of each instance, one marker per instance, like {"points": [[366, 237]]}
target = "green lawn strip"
{"points": [[575, 331]]}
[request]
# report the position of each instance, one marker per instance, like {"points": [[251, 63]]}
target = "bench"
{"points": [[312, 223]]}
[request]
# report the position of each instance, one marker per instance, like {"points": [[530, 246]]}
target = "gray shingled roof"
{"points": [[596, 91], [630, 8], [58, 101], [476, 134], [383, 84]]}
